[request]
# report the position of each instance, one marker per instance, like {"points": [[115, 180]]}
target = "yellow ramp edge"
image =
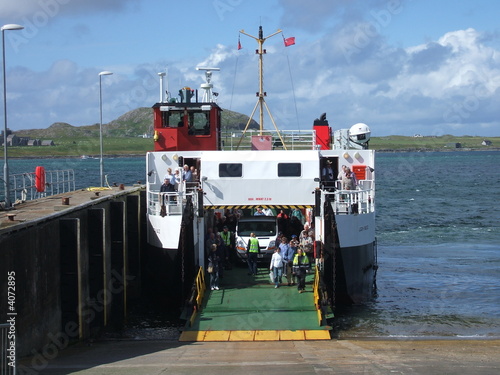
{"points": [[262, 335], [242, 336], [292, 335]]}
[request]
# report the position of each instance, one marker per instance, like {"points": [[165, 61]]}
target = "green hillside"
{"points": [[124, 136], [132, 124]]}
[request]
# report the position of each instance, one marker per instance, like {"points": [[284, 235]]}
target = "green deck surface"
{"points": [[250, 303]]}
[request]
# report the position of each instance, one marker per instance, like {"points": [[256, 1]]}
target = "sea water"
{"points": [[438, 235]]}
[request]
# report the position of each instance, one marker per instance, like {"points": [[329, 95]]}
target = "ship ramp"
{"points": [[250, 308]]}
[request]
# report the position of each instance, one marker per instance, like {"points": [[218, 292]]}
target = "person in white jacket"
{"points": [[277, 267]]}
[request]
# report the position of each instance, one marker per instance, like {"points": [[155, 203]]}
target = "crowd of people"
{"points": [[291, 260]]}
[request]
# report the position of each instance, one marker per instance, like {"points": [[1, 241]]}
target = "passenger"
{"points": [[259, 212], [176, 180], [221, 252], [210, 241], [341, 173], [194, 173], [187, 175], [298, 214], [277, 267], [287, 256], [228, 240], [169, 174], [300, 269], [294, 244], [282, 215], [327, 175], [252, 252], [213, 265], [166, 186], [349, 180], [304, 233], [307, 243], [340, 177]]}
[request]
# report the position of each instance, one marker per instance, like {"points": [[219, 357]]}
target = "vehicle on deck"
{"points": [[266, 231]]}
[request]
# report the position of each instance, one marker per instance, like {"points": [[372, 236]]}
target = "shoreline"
{"points": [[143, 155]]}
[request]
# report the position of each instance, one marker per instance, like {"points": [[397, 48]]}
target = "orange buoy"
{"points": [[40, 179]]}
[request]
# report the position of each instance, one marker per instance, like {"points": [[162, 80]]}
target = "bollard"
{"points": [[122, 187], [65, 201]]}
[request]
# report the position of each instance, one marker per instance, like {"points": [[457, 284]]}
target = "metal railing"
{"points": [[360, 201], [23, 185], [290, 139], [7, 365], [172, 203]]}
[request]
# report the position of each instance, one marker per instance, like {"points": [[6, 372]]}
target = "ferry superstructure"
{"points": [[270, 170]]}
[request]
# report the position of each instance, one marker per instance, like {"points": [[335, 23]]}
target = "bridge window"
{"points": [[172, 119], [230, 170], [199, 123], [289, 169]]}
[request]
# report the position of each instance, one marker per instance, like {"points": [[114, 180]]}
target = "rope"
{"points": [[293, 92]]}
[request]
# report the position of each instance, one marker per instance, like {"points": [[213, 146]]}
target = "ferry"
{"points": [[265, 170]]}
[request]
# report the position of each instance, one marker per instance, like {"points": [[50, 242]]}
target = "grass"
{"points": [[76, 147], [121, 146]]}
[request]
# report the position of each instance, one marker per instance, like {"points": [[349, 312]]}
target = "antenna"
{"points": [[161, 74], [261, 94], [208, 95]]}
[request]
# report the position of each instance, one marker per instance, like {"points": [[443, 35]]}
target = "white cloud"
{"points": [[37, 8]]}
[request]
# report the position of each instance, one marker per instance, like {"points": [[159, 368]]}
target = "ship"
{"points": [[256, 170]]}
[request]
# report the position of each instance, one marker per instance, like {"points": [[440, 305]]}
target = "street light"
{"points": [[6, 163], [101, 163]]}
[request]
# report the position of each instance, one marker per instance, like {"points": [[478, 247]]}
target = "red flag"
{"points": [[239, 44], [289, 41]]}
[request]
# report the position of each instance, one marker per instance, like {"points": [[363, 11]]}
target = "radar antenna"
{"points": [[208, 95]]}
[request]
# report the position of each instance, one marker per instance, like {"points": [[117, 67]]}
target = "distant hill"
{"points": [[131, 124]]}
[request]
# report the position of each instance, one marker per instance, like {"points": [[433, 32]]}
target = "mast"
{"points": [[261, 102]]}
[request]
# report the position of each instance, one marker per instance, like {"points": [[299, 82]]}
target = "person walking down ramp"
{"points": [[300, 268], [277, 267], [252, 252]]}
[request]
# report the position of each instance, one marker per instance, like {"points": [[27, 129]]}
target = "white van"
{"points": [[266, 231]]}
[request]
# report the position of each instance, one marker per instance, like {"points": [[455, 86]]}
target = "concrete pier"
{"points": [[400, 356], [74, 260]]}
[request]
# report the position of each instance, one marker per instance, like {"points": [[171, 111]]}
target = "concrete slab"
{"points": [[286, 357], [24, 213]]}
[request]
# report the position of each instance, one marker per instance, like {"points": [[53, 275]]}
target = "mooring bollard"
{"points": [[65, 201]]}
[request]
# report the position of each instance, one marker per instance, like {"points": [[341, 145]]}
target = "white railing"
{"points": [[171, 203], [359, 201], [292, 139], [23, 187]]}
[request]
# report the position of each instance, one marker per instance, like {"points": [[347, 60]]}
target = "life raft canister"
{"points": [[40, 179]]}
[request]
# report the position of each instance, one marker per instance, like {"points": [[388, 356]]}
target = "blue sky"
{"points": [[400, 66]]}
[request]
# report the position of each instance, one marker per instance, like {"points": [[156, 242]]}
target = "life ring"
{"points": [[40, 179]]}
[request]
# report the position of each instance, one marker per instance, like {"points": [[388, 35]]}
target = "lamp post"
{"points": [[101, 162], [6, 163]]}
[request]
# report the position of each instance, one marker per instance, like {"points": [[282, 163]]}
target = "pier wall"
{"points": [[74, 270]]}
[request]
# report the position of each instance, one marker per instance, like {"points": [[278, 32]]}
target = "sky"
{"points": [[402, 67]]}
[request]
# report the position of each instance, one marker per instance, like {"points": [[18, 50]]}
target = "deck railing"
{"points": [[285, 139], [171, 203], [359, 201], [23, 187]]}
